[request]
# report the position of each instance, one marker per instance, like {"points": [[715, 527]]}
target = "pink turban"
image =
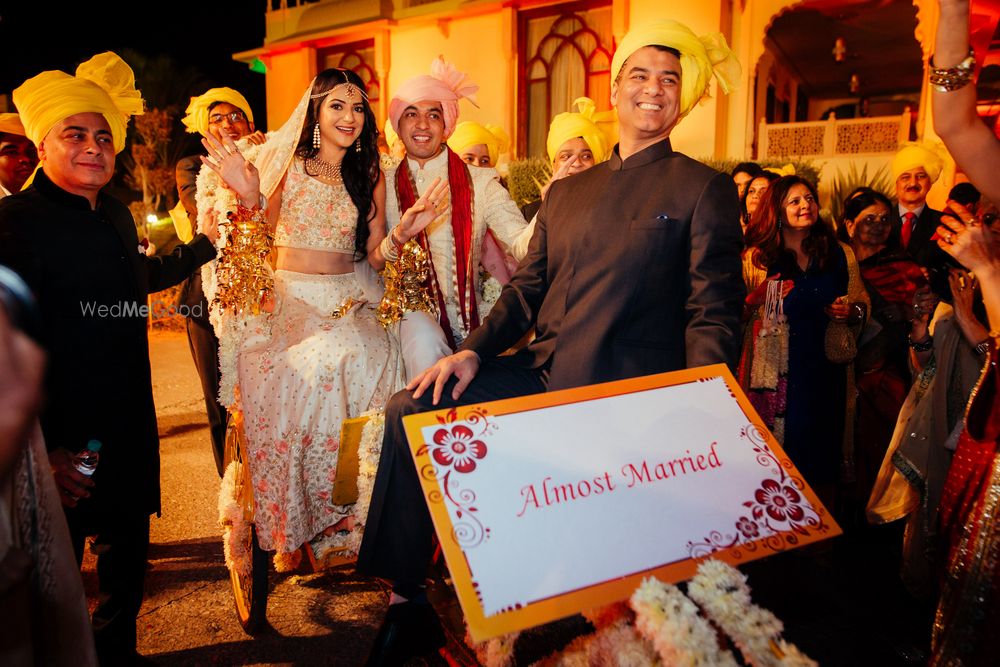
{"points": [[443, 84]]}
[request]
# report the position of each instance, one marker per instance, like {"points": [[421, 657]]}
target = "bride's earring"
{"points": [[316, 139]]}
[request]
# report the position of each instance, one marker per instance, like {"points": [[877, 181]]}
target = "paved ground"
{"points": [[188, 617]]}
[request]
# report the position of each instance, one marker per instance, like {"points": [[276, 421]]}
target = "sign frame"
{"points": [[732, 548]]}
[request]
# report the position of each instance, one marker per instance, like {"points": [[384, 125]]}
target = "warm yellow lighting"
{"points": [[151, 218]]}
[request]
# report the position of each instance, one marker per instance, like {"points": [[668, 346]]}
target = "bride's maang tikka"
{"points": [[351, 88]]}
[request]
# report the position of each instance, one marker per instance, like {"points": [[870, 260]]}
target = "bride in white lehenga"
{"points": [[319, 356]]}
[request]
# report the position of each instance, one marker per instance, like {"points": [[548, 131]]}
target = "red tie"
{"points": [[908, 219]]}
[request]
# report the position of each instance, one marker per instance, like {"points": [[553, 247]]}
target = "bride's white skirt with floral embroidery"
{"points": [[319, 358]]}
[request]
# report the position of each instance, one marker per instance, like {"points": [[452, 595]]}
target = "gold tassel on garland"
{"points": [[245, 279], [405, 285]]}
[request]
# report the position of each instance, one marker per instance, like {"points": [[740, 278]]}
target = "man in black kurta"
{"points": [[633, 269], [77, 248]]}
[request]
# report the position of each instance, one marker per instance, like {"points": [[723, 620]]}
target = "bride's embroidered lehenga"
{"points": [[319, 357]]}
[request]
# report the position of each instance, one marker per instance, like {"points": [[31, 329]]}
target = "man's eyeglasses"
{"points": [[234, 117]]}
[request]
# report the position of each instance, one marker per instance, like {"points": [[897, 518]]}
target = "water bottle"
{"points": [[86, 461]]}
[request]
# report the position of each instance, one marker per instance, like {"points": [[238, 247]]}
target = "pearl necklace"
{"points": [[323, 169]]}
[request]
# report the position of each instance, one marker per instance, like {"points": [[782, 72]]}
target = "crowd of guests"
{"points": [[862, 338]]}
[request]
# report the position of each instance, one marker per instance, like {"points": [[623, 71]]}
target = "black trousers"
{"points": [[122, 543], [205, 352], [398, 541]]}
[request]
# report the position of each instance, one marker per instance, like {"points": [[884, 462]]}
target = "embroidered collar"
{"points": [[438, 163]]}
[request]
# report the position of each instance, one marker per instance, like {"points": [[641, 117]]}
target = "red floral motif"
{"points": [[781, 501], [779, 514], [747, 527], [455, 447]]}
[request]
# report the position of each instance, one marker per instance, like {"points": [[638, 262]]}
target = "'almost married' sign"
{"points": [[554, 503]]}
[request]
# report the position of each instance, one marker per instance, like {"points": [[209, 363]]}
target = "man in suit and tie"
{"points": [[916, 168], [633, 269]]}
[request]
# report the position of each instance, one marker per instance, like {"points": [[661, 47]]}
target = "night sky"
{"points": [[200, 36]]}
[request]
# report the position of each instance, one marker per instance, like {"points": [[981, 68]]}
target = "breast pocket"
{"points": [[662, 222]]}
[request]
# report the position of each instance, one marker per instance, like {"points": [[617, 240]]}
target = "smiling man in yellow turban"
{"points": [[634, 268], [577, 140], [76, 247], [915, 168], [220, 112]]}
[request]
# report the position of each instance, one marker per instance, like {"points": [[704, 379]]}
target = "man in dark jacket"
{"points": [[634, 268], [221, 111], [78, 250]]}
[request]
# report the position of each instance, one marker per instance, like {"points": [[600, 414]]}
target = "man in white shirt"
{"points": [[478, 221]]}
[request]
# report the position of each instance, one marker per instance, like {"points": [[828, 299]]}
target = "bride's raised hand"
{"points": [[239, 174], [423, 211]]}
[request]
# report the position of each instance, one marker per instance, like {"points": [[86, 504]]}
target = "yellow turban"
{"points": [[598, 129], [196, 115], [787, 170], [11, 124], [470, 133], [918, 155], [104, 84], [701, 57]]}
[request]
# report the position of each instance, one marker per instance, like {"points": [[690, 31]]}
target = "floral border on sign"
{"points": [[457, 449], [778, 513]]}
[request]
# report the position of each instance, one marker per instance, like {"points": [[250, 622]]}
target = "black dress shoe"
{"points": [[409, 630]]}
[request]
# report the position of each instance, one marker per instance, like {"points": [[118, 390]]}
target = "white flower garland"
{"points": [[670, 621], [722, 592], [369, 452], [495, 652], [668, 629], [615, 645], [215, 202], [236, 530], [491, 292]]}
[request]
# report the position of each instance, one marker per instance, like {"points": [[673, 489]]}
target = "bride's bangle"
{"points": [[948, 79], [395, 241], [388, 248]]}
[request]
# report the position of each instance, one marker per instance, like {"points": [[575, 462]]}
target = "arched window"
{"points": [[358, 56], [566, 53]]}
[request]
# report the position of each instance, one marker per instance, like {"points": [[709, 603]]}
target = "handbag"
{"points": [[840, 343]]}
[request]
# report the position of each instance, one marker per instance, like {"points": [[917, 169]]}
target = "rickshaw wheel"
{"points": [[249, 590]]}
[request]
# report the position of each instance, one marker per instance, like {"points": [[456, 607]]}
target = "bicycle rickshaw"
{"points": [[247, 562]]}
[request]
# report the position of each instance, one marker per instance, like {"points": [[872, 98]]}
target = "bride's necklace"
{"points": [[323, 169]]}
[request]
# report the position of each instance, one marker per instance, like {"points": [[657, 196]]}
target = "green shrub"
{"points": [[846, 181], [526, 177]]}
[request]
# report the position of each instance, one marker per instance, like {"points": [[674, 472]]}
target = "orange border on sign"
{"points": [[482, 627]]}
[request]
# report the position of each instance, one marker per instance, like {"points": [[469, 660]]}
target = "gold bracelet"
{"points": [[948, 79]]}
